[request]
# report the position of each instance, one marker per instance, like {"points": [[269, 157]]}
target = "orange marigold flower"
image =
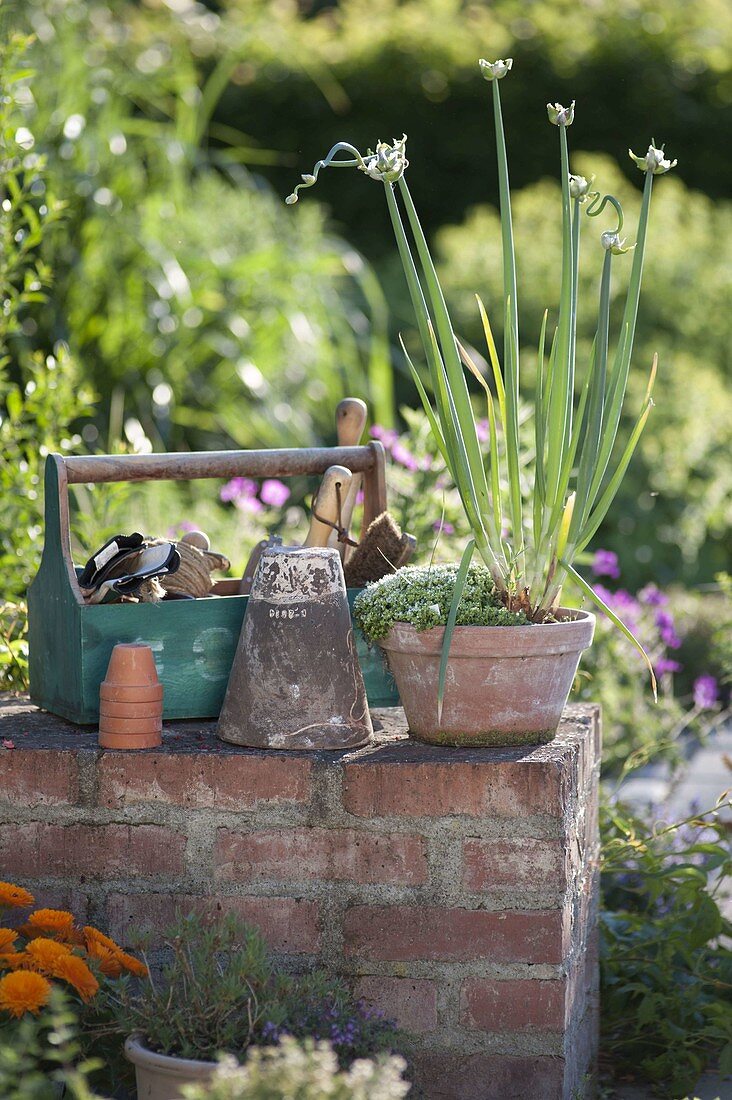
{"points": [[8, 936], [44, 954], [110, 962], [93, 935], [23, 991], [52, 922], [133, 965], [15, 960], [75, 971], [14, 896]]}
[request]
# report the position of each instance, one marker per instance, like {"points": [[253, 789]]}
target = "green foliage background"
{"points": [[206, 314]]}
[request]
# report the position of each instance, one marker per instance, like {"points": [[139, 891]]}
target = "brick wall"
{"points": [[457, 889]]}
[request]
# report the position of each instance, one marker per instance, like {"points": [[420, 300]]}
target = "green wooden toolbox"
{"points": [[194, 641]]}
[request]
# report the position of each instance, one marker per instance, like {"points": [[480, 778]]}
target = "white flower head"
{"points": [[654, 161], [559, 115], [388, 163], [611, 242], [496, 70], [579, 187]]}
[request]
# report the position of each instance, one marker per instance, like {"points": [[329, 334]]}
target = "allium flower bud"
{"points": [[388, 163], [308, 178], [654, 161], [579, 187], [291, 199], [559, 115], [611, 242], [495, 70]]}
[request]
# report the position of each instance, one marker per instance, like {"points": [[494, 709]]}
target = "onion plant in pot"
{"points": [[527, 543]]}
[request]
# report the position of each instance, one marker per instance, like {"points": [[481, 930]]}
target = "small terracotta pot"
{"points": [[131, 700], [129, 741], [132, 663], [506, 685], [134, 726], [160, 1077], [135, 709], [124, 693]]}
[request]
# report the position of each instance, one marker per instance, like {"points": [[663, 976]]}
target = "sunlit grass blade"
{"points": [[592, 595], [600, 509], [539, 482], [560, 395], [460, 579], [494, 457], [426, 404], [512, 456], [493, 358], [458, 388]]}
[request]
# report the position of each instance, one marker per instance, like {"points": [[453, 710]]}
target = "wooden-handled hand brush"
{"points": [[383, 549]]}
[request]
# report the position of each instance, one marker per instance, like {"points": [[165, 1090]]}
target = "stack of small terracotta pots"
{"points": [[131, 700]]}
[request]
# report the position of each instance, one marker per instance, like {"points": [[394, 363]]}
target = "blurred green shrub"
{"points": [[675, 503], [665, 962], [181, 282], [637, 68]]}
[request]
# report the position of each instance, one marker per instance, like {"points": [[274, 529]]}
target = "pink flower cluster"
{"points": [[246, 495]]}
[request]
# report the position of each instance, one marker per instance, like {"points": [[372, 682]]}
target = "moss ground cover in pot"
{"points": [[507, 678]]}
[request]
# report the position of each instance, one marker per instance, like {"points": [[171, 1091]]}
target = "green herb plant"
{"points": [[528, 550]]}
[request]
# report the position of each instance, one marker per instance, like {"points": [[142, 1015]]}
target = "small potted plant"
{"points": [[220, 994], [517, 680]]}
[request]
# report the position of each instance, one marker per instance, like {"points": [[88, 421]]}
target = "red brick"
{"points": [[109, 851], [298, 855], [38, 777], [499, 788], [520, 862], [412, 1002], [513, 1005], [231, 781], [448, 1076], [409, 934], [289, 926]]}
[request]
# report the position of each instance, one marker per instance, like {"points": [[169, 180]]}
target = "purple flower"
{"points": [[652, 596], [706, 692], [605, 564], [667, 629], [274, 493], [387, 435], [482, 430], [404, 457], [665, 665], [237, 489], [446, 528], [249, 504]]}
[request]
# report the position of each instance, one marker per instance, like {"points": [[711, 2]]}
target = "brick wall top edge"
{"points": [[31, 728]]}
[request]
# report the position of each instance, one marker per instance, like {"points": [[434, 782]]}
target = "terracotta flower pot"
{"points": [[160, 1077], [506, 685], [132, 663], [131, 700], [129, 741]]}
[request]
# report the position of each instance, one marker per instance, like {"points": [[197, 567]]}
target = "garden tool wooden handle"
{"points": [[336, 481], [351, 415]]}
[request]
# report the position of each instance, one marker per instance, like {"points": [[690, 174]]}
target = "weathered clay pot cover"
{"points": [[506, 685], [296, 681]]}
